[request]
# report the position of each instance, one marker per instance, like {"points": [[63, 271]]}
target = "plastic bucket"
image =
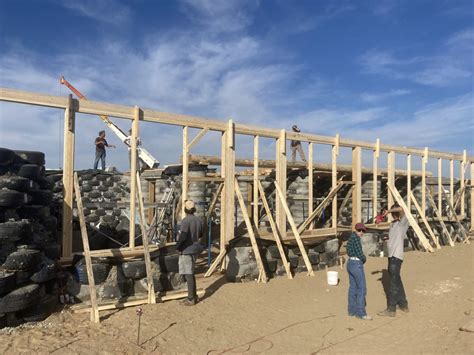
{"points": [[333, 278]]}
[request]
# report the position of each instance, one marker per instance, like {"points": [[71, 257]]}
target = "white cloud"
{"points": [[375, 97], [109, 11], [383, 7]]}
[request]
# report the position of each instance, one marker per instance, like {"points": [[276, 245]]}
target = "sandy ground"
{"points": [[303, 315]]}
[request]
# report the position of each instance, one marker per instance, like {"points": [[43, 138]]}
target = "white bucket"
{"points": [[333, 278]]}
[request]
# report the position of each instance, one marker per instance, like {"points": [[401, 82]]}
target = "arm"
{"points": [[395, 210]]}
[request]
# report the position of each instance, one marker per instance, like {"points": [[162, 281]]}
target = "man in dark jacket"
{"points": [[188, 247]]}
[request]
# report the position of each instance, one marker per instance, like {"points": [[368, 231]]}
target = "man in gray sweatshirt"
{"points": [[188, 247]]}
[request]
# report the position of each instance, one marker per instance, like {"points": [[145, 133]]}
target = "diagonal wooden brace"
{"points": [[440, 217]]}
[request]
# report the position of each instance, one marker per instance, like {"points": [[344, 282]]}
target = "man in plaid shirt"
{"points": [[355, 268]]}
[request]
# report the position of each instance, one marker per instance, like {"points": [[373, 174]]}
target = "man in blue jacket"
{"points": [[188, 247]]}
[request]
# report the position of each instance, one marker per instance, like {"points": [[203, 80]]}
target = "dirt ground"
{"points": [[303, 315]]}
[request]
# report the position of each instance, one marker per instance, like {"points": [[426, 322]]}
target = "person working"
{"points": [[296, 146], [355, 269], [100, 144], [188, 247], [128, 141], [396, 236]]}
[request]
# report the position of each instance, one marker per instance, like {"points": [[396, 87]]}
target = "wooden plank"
{"points": [[390, 178], [440, 185], [281, 177], [253, 240], [424, 161], [216, 262], [255, 179], [215, 198], [462, 173], [334, 170], [472, 197], [451, 181], [149, 273], [197, 138], [85, 242], [223, 226], [411, 219], [185, 178], [440, 219], [133, 176], [204, 179], [310, 182], [319, 209], [275, 231], [408, 181], [425, 222], [151, 200], [346, 200], [357, 178], [376, 154], [68, 183], [282, 198], [229, 183], [455, 219]]}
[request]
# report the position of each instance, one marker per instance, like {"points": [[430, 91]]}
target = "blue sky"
{"points": [[401, 71]]}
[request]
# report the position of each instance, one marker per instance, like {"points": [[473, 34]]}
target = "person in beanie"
{"points": [[296, 146], [396, 236], [188, 247], [355, 269]]}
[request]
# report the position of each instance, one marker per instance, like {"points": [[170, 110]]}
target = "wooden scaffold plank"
{"points": [[423, 218]]}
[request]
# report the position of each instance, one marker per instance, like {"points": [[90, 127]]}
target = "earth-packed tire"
{"points": [[92, 218], [12, 198], [41, 197], [293, 261], [31, 171], [23, 277], [86, 211], [87, 177], [20, 299], [44, 271], [134, 269], [108, 218], [109, 194], [100, 212], [101, 177], [52, 251], [313, 258], [22, 259], [11, 231], [274, 252], [31, 157], [7, 282], [168, 263], [6, 156], [99, 270], [94, 183], [103, 188], [272, 265], [40, 311], [86, 188], [17, 183], [44, 183], [37, 212], [94, 194]]}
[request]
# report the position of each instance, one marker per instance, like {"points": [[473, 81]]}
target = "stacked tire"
{"points": [[28, 235]]}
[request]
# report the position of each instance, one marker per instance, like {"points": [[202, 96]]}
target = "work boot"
{"points": [[188, 302], [404, 309], [387, 313], [366, 317]]}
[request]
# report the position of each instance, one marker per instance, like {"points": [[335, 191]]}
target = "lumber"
{"points": [[275, 231], [185, 173], [346, 200], [198, 137], [68, 183], [334, 170], [253, 240], [310, 182], [281, 177], [216, 262], [409, 181], [390, 178], [85, 242], [255, 179], [440, 218], [440, 185], [151, 200], [455, 219], [357, 192], [297, 236], [423, 218], [375, 159], [133, 176], [213, 203], [411, 219]]}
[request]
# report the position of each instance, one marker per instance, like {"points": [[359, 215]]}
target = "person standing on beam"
{"points": [[296, 146], [100, 144]]}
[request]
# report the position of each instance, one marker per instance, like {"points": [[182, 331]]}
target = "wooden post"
{"points": [[133, 176], [376, 155], [68, 183], [275, 232], [151, 200], [295, 230], [223, 196], [451, 181], [463, 172], [390, 178], [357, 178], [255, 180], [185, 182], [472, 196], [229, 183], [253, 240], [411, 220], [146, 250], [87, 256], [310, 181], [281, 181], [440, 185], [424, 161], [334, 154], [408, 181], [427, 225]]}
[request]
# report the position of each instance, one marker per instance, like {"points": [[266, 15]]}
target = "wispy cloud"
{"points": [[383, 7], [376, 97], [109, 11]]}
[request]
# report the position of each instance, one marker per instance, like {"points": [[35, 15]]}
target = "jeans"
{"points": [[357, 288], [99, 155], [396, 293], [300, 151]]}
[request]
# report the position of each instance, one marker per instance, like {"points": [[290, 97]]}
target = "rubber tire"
{"points": [[31, 157], [99, 270], [12, 198], [7, 282], [134, 270], [31, 171], [22, 277], [20, 299], [41, 197], [44, 183], [22, 259], [168, 263], [17, 183], [14, 230], [92, 218], [94, 183], [42, 310], [7, 156], [94, 194]]}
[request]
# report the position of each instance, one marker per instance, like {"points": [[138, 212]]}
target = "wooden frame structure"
{"points": [[228, 131]]}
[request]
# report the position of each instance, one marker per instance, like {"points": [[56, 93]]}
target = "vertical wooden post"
{"points": [[440, 186], [408, 181], [357, 178], [472, 196], [184, 183], [68, 172], [376, 155], [229, 182], [390, 177], [451, 181], [424, 161], [224, 191], [133, 176], [255, 180], [87, 256], [334, 154], [152, 200], [310, 182], [463, 172], [281, 181]]}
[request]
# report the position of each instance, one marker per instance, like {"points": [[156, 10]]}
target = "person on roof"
{"points": [[100, 154], [296, 146]]}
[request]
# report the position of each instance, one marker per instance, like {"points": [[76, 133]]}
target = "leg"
{"points": [[361, 289], [103, 160], [351, 296], [96, 160], [300, 150], [293, 154], [191, 281], [402, 298], [395, 280]]}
